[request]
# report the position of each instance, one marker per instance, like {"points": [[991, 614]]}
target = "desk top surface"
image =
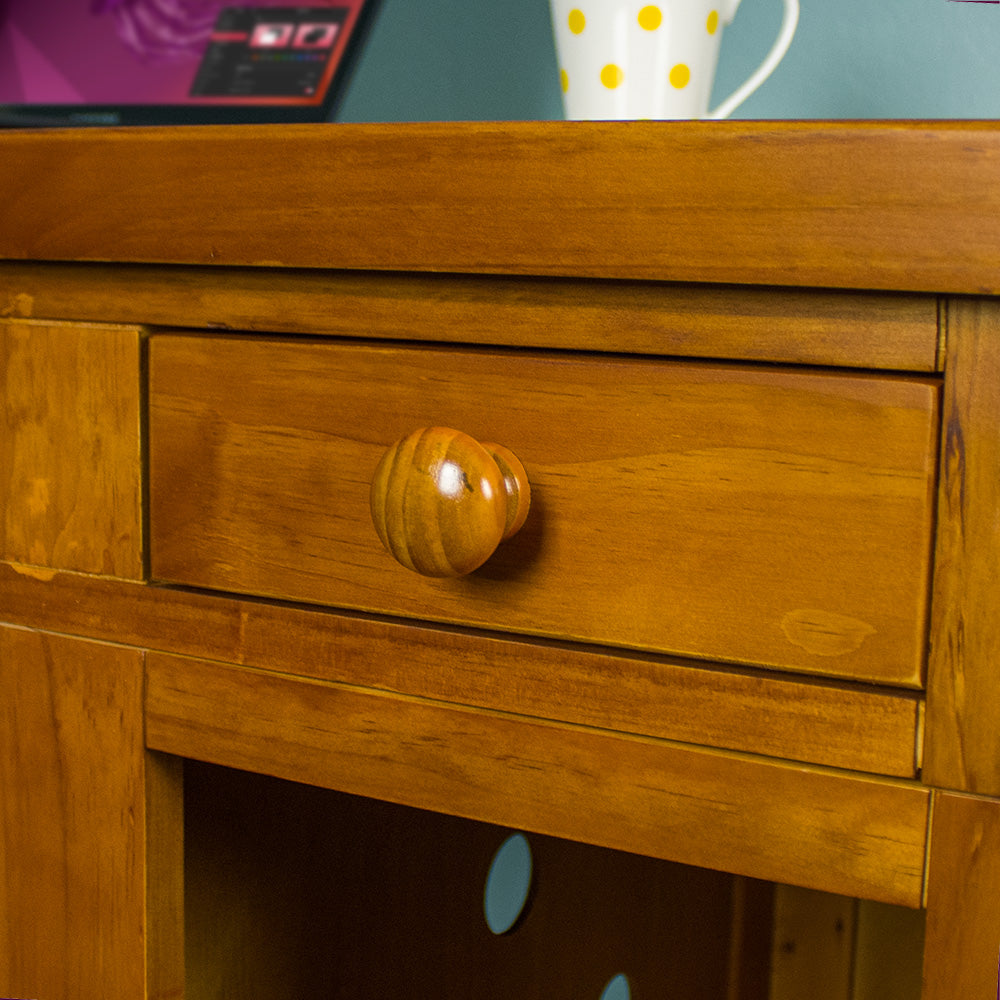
{"points": [[903, 206]]}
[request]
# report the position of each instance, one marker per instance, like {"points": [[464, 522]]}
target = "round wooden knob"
{"points": [[442, 502]]}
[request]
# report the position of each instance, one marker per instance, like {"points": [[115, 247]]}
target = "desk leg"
{"points": [[963, 899], [89, 828]]}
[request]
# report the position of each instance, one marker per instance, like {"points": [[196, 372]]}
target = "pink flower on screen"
{"points": [[162, 30]]}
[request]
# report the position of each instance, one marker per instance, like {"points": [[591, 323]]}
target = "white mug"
{"points": [[623, 59]]}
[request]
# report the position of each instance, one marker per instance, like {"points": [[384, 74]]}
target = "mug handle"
{"points": [[766, 68]]}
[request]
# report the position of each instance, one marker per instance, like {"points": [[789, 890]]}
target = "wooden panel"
{"points": [[757, 515], [774, 822], [829, 947], [889, 951], [814, 937], [849, 329], [73, 842], [963, 739], [963, 918], [856, 727], [165, 935], [301, 892], [70, 486], [907, 206]]}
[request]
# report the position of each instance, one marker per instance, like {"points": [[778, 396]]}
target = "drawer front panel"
{"points": [[766, 516]]}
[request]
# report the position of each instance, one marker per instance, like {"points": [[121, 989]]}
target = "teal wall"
{"points": [[454, 60]]}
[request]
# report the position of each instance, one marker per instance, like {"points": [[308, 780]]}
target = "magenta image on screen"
{"points": [[170, 52]]}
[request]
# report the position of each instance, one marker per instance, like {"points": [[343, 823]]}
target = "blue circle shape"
{"points": [[507, 884], [617, 989]]}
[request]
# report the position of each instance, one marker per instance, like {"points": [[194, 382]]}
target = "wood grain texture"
{"points": [[300, 892], [907, 206], [70, 486], [963, 739], [857, 727], [165, 881], [813, 946], [733, 513], [821, 829], [851, 329], [73, 843], [441, 502], [963, 918]]}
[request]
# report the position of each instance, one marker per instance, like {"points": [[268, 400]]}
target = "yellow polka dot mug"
{"points": [[622, 59]]}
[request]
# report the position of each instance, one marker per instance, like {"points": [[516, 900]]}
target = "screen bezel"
{"points": [[104, 115]]}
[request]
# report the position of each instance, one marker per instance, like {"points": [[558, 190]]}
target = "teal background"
{"points": [[472, 60]]}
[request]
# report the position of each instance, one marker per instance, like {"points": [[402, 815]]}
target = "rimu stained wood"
{"points": [[963, 919], [963, 738], [841, 725], [822, 829], [75, 853], [70, 487], [888, 205], [778, 518], [790, 326], [296, 892]]}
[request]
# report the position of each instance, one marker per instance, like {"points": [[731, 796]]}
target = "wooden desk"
{"points": [[748, 627]]}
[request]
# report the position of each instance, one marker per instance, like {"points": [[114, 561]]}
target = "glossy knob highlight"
{"points": [[442, 502]]}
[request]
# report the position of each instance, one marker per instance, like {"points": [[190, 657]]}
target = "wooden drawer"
{"points": [[761, 515]]}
